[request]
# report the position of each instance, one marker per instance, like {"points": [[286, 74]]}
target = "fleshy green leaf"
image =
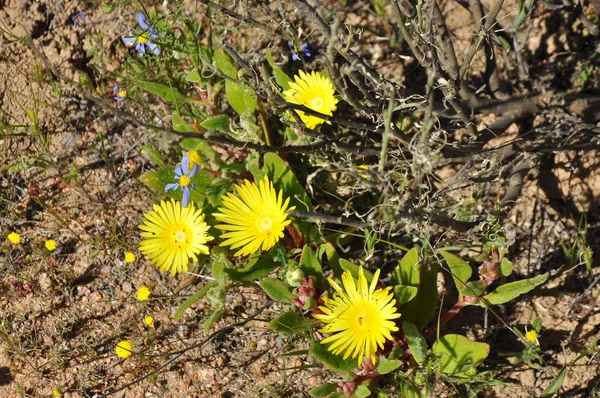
{"points": [[218, 272], [276, 289], [179, 124], [155, 155], [281, 78], [506, 267], [403, 294], [310, 265], [512, 290], [323, 390], [331, 361], [387, 365], [407, 271], [290, 323], [220, 123], [167, 93], [460, 269], [210, 321], [261, 268], [555, 385], [473, 288], [458, 354], [241, 97], [416, 342], [420, 309], [193, 299], [224, 63], [362, 391]]}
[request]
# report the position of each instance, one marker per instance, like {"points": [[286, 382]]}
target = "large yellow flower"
{"points": [[314, 91], [173, 234], [254, 220], [360, 317]]}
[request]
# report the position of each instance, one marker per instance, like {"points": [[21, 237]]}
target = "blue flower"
{"points": [[142, 40], [181, 171], [119, 94], [304, 49], [79, 20]]}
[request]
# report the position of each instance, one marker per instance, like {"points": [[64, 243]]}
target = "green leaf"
{"points": [[220, 123], [180, 125], [224, 63], [157, 179], [282, 79], [416, 342], [506, 267], [555, 385], [241, 97], [323, 390], [362, 391], [261, 268], [458, 354], [420, 310], [290, 323], [407, 271], [168, 93], [331, 361], [310, 265], [218, 272], [387, 365], [509, 291], [403, 294], [353, 268], [192, 300], [460, 269], [190, 143], [193, 76], [210, 321], [283, 178], [473, 288], [537, 324], [333, 258], [155, 155], [276, 289]]}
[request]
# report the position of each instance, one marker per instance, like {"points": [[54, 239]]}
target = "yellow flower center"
{"points": [[79, 21], [142, 39], [184, 181], [122, 93], [316, 103], [264, 222], [194, 158], [180, 236], [531, 335]]}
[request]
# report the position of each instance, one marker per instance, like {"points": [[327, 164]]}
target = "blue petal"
{"points": [[154, 48], [185, 163], [290, 44], [152, 33], [141, 49], [129, 39], [185, 200], [142, 20], [194, 171], [295, 57], [178, 171], [172, 186], [116, 89]]}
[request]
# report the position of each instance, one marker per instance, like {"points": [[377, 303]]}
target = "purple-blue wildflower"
{"points": [[142, 40], [304, 49], [119, 94], [181, 171], [79, 20]]}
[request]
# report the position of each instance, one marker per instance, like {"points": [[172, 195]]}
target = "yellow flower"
{"points": [[254, 220], [194, 158], [14, 238], [50, 244], [360, 317], [532, 336], [173, 234], [129, 257], [57, 392], [315, 91], [149, 320], [124, 349], [143, 293]]}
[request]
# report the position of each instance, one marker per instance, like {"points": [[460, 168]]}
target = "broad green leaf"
{"points": [[353, 268], [276, 289], [155, 155], [220, 123], [458, 354], [283, 178], [179, 124], [416, 342], [190, 143], [193, 76], [323, 390], [420, 309], [537, 324], [473, 288], [512, 290], [261, 268], [210, 321], [157, 179], [290, 323], [241, 97], [218, 272], [193, 299], [362, 391], [387, 365], [333, 362], [333, 258], [407, 272], [506, 267], [281, 78], [168, 93], [460, 269], [403, 294], [310, 265], [224, 63], [555, 385]]}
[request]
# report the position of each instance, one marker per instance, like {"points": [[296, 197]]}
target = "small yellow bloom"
{"points": [[143, 293], [129, 257], [124, 349], [315, 91], [359, 316], [14, 238], [57, 392], [254, 220], [149, 320], [532, 336], [194, 158], [50, 244]]}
